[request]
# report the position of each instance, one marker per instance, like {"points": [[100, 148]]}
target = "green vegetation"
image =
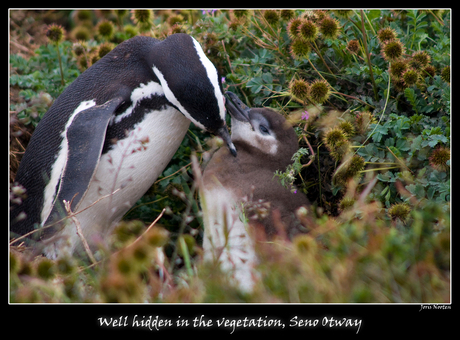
{"points": [[368, 93]]}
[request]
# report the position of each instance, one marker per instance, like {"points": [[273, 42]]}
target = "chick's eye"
{"points": [[264, 130]]}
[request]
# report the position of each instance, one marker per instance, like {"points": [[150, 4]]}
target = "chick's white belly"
{"points": [[125, 173], [226, 237]]}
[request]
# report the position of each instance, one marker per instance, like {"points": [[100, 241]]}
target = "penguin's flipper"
{"points": [[85, 140]]}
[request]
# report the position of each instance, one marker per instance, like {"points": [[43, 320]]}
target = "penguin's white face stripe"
{"points": [[51, 189], [213, 77], [243, 131], [142, 92], [172, 98]]}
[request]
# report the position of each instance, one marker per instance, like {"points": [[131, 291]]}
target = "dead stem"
{"points": [[400, 162], [129, 245], [62, 219], [363, 30], [79, 231], [313, 155], [146, 231]]}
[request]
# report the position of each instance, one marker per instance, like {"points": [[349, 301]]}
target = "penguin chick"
{"points": [[240, 193]]}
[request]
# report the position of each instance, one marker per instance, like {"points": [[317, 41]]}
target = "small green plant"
{"points": [[39, 81], [288, 176], [55, 33]]}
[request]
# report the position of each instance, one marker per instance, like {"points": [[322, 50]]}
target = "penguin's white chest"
{"points": [[135, 162], [126, 172]]}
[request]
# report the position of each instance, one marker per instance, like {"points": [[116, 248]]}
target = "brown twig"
{"points": [[400, 162], [227, 57], [313, 155], [79, 231], [146, 231], [129, 245], [62, 219]]}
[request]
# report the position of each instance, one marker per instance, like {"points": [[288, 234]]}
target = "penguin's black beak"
{"points": [[237, 109], [222, 132]]}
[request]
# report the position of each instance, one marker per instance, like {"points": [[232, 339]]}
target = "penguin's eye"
{"points": [[264, 130]]}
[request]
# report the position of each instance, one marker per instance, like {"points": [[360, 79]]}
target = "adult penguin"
{"points": [[110, 134], [240, 194]]}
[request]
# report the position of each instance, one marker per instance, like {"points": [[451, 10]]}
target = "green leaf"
{"points": [[387, 177], [389, 141], [430, 192], [255, 84], [402, 145], [417, 190], [384, 191], [409, 93], [379, 132], [433, 140], [267, 78], [27, 94], [395, 151], [416, 143]]}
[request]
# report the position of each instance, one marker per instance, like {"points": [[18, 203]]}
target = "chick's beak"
{"points": [[236, 108]]}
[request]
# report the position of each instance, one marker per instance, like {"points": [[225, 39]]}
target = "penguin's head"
{"points": [[191, 83], [262, 129]]}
